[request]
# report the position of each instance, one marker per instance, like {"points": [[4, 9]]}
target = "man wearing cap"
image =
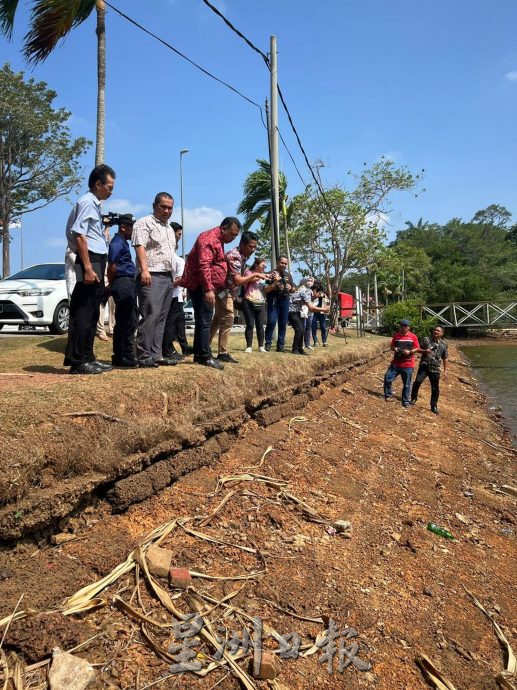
{"points": [[404, 344], [155, 246], [121, 278]]}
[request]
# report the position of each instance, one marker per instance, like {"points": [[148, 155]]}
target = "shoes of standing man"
{"points": [[148, 364], [267, 347], [87, 368], [413, 401], [280, 349], [124, 363], [213, 363], [174, 355], [166, 362], [434, 409], [263, 349], [226, 357], [103, 365], [300, 352], [248, 350]]}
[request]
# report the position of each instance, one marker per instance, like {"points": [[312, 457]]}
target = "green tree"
{"points": [[39, 161], [496, 215], [256, 204], [342, 231], [50, 22]]}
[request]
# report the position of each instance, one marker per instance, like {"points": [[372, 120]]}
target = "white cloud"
{"points": [[126, 206], [55, 242], [195, 220], [392, 156], [511, 76]]}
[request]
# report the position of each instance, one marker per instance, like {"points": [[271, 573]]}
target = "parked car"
{"points": [[36, 296]]}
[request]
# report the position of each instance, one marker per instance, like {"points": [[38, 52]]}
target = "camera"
{"points": [[111, 219]]}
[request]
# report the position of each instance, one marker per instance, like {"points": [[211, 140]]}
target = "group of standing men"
{"points": [[154, 281]]}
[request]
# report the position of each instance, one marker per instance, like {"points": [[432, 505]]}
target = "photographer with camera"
{"points": [[85, 233], [278, 290], [121, 279]]}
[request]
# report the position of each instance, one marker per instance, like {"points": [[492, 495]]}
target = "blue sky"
{"points": [[431, 84]]}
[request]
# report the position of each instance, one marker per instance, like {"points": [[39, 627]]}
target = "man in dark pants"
{"points": [[155, 246], [278, 291], [121, 278], [85, 234], [299, 298], [205, 275], [434, 351], [175, 322]]}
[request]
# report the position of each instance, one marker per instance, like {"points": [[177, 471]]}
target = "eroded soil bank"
{"points": [[346, 455]]}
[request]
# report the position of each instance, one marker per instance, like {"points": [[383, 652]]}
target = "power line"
{"points": [[239, 33], [182, 55], [292, 159], [284, 104]]}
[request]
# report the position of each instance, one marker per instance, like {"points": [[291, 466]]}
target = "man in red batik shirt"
{"points": [[404, 344], [204, 276]]}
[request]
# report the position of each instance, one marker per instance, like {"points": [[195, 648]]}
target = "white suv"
{"points": [[36, 296]]}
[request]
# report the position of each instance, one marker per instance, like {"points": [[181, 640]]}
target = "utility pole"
{"points": [[273, 134], [376, 298]]}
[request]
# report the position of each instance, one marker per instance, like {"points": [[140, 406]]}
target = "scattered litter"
{"points": [[180, 577], [69, 672], [331, 530], [439, 530]]}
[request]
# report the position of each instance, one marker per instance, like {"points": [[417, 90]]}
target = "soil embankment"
{"points": [[65, 440], [345, 455]]}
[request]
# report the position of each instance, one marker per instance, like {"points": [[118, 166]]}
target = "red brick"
{"points": [[180, 577]]}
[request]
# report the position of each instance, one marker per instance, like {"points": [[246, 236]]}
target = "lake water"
{"points": [[496, 369]]}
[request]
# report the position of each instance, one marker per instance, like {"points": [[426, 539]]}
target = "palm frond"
{"points": [[7, 11], [51, 21]]}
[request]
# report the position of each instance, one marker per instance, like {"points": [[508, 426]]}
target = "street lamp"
{"points": [[182, 153]]}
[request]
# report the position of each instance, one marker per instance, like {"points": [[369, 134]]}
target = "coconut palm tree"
{"points": [[256, 202], [50, 22]]}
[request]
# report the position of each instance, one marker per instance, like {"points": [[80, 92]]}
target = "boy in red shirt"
{"points": [[404, 344]]}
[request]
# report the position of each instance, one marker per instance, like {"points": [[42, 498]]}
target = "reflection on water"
{"points": [[496, 366]]}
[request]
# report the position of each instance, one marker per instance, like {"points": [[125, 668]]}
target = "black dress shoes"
{"points": [[214, 363], [87, 368], [124, 363], [166, 362], [227, 358], [148, 364], [280, 349], [103, 365]]}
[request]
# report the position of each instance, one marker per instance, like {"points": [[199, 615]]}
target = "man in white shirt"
{"points": [[86, 237], [175, 323], [155, 247]]}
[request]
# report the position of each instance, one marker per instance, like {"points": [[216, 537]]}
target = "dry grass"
{"points": [[39, 445]]}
